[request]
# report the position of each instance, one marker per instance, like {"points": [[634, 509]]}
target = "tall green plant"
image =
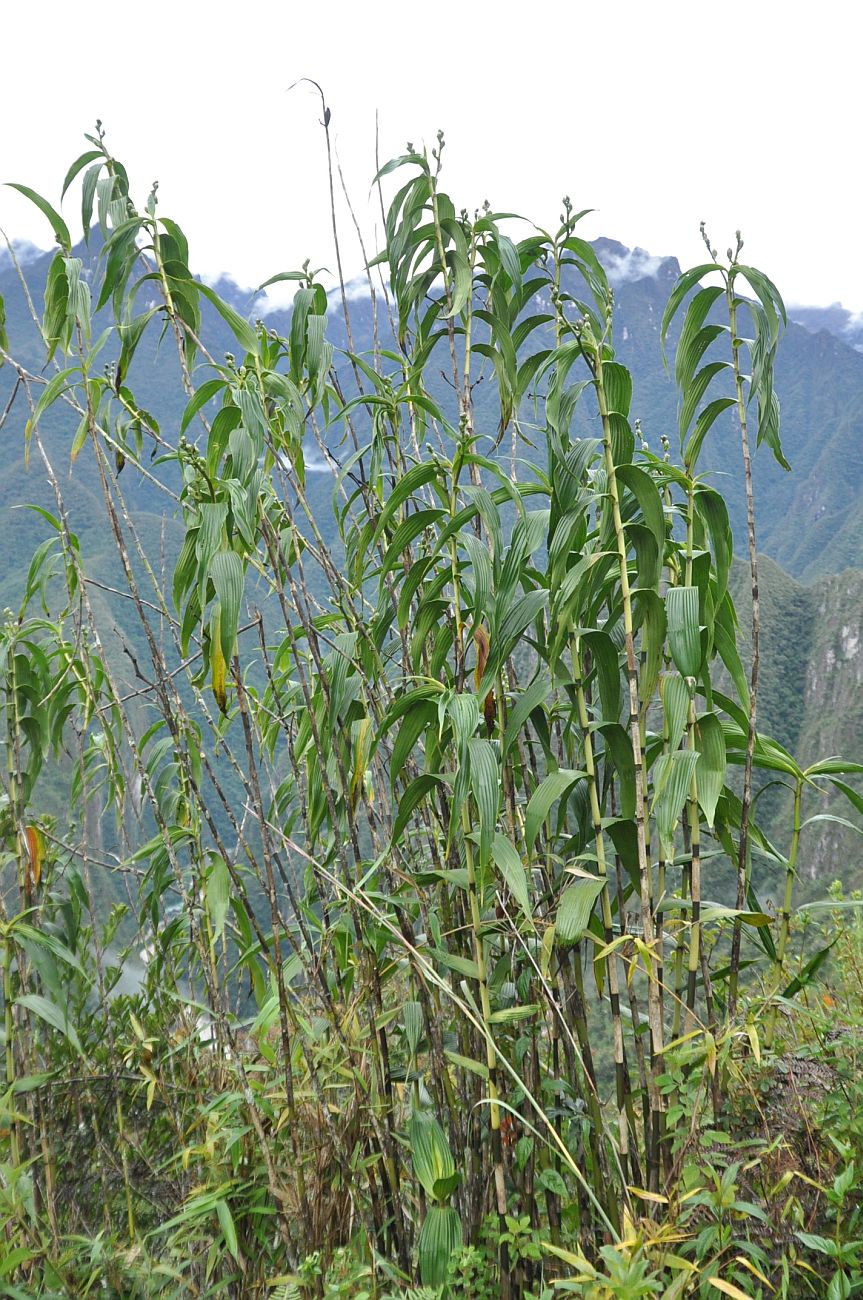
{"points": [[417, 789]]}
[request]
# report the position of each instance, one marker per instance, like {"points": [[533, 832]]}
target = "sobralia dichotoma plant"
{"points": [[416, 765]]}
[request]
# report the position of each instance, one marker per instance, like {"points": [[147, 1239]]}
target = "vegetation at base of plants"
{"points": [[441, 962]]}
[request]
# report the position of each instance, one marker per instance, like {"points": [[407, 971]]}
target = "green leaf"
{"points": [[485, 786], [58, 225], [550, 789], [694, 336], [412, 1016], [675, 704], [837, 766], [226, 571], [481, 571], [770, 297], [509, 1015], [687, 281], [684, 631], [646, 493], [42, 939], [649, 609], [53, 1015], [724, 636], [719, 912], [282, 275], [200, 398], [243, 332], [420, 716], [416, 477], [512, 869], [217, 893], [696, 390], [618, 745], [551, 1181], [226, 1223], [430, 1153], [518, 616], [413, 795], [617, 382], [78, 165], [439, 1238], [808, 972], [509, 259], [54, 389], [575, 908], [467, 1063], [409, 529], [703, 425], [462, 708], [523, 706], [606, 659], [713, 510], [853, 797], [402, 161], [672, 777], [461, 965], [80, 437], [710, 743]]}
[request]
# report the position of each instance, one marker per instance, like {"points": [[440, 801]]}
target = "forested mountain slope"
{"points": [[811, 699]]}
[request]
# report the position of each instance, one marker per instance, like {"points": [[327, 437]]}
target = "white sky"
{"points": [[657, 114]]}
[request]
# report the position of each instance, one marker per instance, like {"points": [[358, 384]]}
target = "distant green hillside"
{"points": [[811, 699]]}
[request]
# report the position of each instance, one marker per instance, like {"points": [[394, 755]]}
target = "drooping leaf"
{"points": [[672, 777], [439, 1238], [243, 332], [53, 1015], [35, 853], [553, 787], [575, 908], [675, 705], [511, 867], [485, 787], [217, 894], [684, 632], [229, 1231], [226, 571], [58, 225], [710, 742], [432, 1159], [523, 706]]}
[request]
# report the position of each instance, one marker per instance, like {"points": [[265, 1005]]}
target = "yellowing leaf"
{"points": [[36, 852], [728, 1288], [649, 1196], [218, 665], [361, 757], [742, 1260], [483, 647], [752, 1035]]}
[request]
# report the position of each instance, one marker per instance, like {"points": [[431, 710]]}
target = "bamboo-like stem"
{"points": [[695, 880], [490, 1053], [746, 798], [9, 1050], [692, 803], [785, 913], [654, 995], [605, 901]]}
